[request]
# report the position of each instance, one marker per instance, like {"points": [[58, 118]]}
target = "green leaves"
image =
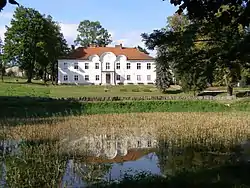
{"points": [[34, 42], [92, 33]]}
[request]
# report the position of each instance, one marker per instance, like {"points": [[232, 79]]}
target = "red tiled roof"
{"points": [[130, 53], [132, 155]]}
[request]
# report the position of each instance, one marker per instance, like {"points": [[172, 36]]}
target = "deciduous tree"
{"points": [[92, 33]]}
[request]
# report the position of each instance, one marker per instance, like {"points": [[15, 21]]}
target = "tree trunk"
{"points": [[229, 90], [30, 73], [45, 76]]}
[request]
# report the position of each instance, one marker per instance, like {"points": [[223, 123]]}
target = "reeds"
{"points": [[190, 126]]}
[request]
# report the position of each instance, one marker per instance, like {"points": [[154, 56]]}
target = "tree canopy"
{"points": [[199, 52], [92, 33], [34, 42]]}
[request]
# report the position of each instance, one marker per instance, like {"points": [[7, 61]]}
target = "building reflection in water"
{"points": [[106, 156]]}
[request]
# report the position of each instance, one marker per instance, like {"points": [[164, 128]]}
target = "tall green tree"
{"points": [[92, 33], [35, 42], [23, 39]]}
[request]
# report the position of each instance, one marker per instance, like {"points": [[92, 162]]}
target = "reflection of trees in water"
{"points": [[35, 166], [91, 173], [172, 160]]}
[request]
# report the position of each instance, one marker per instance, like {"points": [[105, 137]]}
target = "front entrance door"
{"points": [[108, 78]]}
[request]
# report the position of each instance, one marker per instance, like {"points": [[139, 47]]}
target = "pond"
{"points": [[88, 160]]}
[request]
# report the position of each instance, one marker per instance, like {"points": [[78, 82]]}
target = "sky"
{"points": [[124, 19]]}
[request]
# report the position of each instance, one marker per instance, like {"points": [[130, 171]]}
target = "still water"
{"points": [[85, 160]]}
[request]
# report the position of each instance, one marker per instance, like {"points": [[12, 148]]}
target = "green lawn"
{"points": [[19, 87], [12, 87]]}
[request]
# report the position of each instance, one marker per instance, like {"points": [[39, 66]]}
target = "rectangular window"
{"points": [[128, 65], [118, 65], [107, 65], [148, 77], [138, 77], [76, 66], [148, 65], [65, 77], [138, 65], [96, 65], [65, 65], [86, 77], [128, 77], [86, 65], [97, 77], [76, 77], [118, 77]]}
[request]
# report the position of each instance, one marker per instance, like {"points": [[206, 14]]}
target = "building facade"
{"points": [[106, 66]]}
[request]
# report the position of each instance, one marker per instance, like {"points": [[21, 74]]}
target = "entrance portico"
{"points": [[108, 78]]}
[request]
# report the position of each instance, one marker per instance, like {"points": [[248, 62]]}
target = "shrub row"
{"points": [[129, 98]]}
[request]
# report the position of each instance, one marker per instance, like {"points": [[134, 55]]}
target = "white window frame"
{"points": [[118, 76], [128, 66], [97, 77], [65, 77], [148, 76], [138, 66], [76, 66], [86, 76], [76, 77], [138, 77], [107, 65], [148, 66], [118, 66], [129, 77], [86, 66], [97, 66]]}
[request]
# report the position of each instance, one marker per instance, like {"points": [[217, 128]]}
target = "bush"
{"points": [[135, 90], [147, 90], [123, 90]]}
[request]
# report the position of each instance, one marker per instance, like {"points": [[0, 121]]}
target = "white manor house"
{"points": [[106, 66]]}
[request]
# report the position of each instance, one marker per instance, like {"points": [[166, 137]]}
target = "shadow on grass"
{"points": [[177, 91], [212, 93], [35, 107], [243, 94], [25, 83]]}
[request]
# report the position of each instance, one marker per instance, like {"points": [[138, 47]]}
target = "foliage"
{"points": [[4, 2], [142, 50], [34, 42], [92, 33], [164, 76]]}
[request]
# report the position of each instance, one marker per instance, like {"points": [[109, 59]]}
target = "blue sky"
{"points": [[124, 19]]}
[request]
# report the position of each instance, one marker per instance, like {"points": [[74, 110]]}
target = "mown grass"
{"points": [[12, 87], [19, 87]]}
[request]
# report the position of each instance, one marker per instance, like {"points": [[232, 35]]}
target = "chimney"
{"points": [[118, 46]]}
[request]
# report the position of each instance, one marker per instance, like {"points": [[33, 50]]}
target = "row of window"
{"points": [[97, 77], [118, 66]]}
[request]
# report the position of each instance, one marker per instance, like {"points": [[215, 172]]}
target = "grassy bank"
{"points": [[35, 107]]}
